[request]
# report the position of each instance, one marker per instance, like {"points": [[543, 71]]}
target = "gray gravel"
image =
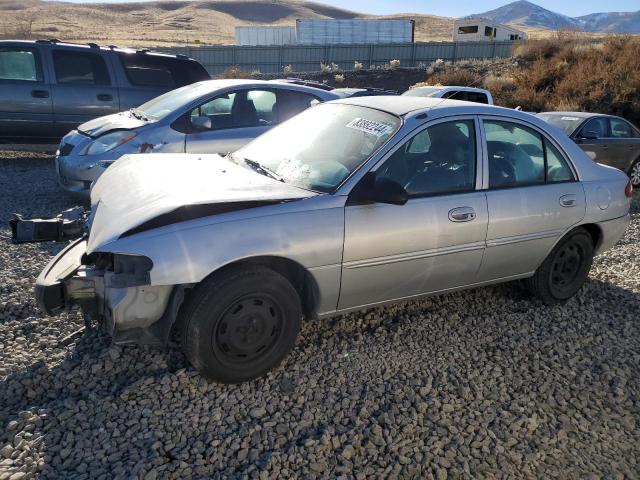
{"points": [[481, 384]]}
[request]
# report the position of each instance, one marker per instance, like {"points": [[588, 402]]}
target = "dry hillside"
{"points": [[164, 23]]}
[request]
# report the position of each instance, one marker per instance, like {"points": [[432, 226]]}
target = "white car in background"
{"points": [[468, 94]]}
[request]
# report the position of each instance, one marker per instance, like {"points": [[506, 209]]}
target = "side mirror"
{"points": [[386, 190], [201, 123], [590, 135]]}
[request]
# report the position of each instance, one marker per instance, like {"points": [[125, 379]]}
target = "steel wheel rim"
{"points": [[635, 174], [566, 266], [248, 329]]}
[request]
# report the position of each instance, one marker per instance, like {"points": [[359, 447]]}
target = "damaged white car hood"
{"points": [[140, 188], [117, 121]]}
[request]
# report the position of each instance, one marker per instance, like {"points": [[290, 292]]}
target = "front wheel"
{"points": [[634, 174], [565, 270], [239, 324]]}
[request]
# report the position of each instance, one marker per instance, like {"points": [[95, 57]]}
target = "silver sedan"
{"points": [[215, 116], [349, 205]]}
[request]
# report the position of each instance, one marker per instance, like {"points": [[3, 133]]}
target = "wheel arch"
{"points": [[300, 278]]}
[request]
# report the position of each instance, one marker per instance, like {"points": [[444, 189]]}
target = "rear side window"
{"points": [[516, 155], [621, 129], [520, 156], [18, 63], [151, 71], [290, 103], [477, 97], [79, 68], [455, 95]]}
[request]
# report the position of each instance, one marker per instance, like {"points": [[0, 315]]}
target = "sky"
{"points": [[460, 8]]}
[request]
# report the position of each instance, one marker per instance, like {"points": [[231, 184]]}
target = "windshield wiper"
{"points": [[138, 114], [264, 170]]}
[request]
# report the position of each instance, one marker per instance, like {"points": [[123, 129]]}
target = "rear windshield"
{"points": [[154, 71], [567, 123]]}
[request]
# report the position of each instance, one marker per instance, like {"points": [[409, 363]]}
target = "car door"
{"points": [[25, 93], [83, 87], [624, 143], [533, 197], [592, 137], [226, 122], [435, 241]]}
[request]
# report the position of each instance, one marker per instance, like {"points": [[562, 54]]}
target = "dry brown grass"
{"points": [[567, 73]]}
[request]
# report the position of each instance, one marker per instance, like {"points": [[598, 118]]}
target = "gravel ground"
{"points": [[481, 384]]}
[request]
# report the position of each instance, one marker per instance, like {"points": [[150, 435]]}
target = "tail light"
{"points": [[628, 190]]}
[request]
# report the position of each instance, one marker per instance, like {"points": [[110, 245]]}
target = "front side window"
{"points": [[322, 146], [621, 129], [488, 31], [78, 68], [520, 156], [438, 160], [18, 63], [241, 109], [596, 127]]}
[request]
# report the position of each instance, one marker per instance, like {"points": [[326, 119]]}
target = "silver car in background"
{"points": [[215, 116], [351, 204]]}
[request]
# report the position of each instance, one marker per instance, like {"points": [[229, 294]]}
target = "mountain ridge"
{"points": [[527, 14]]}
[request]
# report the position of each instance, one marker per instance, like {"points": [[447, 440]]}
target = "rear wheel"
{"points": [[634, 174], [565, 270], [240, 324]]}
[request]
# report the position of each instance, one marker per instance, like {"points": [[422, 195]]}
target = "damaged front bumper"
{"points": [[112, 289], [68, 225]]}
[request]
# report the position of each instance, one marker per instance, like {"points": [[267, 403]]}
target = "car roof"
{"points": [[94, 47], [403, 106], [238, 82], [451, 87], [577, 114]]}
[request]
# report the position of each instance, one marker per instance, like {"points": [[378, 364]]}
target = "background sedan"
{"points": [[216, 116], [606, 139]]}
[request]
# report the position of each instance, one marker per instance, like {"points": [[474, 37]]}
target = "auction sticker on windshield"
{"points": [[367, 126]]}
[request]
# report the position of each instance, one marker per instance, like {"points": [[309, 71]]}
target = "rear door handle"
{"points": [[568, 200], [105, 97], [39, 94], [462, 214], [605, 147]]}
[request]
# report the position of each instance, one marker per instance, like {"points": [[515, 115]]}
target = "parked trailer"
{"points": [[265, 35], [484, 30], [339, 32]]}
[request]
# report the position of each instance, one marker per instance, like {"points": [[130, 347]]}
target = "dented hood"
{"points": [[118, 121], [148, 191]]}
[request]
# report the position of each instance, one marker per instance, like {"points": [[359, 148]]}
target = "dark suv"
{"points": [[48, 88]]}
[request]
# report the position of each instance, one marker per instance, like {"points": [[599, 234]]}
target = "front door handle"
{"points": [[462, 214], [39, 94], [605, 147], [105, 97], [568, 200]]}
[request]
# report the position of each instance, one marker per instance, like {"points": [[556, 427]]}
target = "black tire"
{"points": [[237, 325], [634, 173], [565, 269]]}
